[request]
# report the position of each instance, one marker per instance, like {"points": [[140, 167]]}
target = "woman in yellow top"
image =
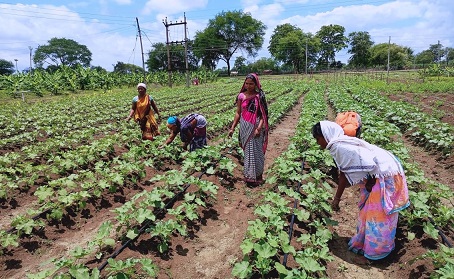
{"points": [[143, 114]]}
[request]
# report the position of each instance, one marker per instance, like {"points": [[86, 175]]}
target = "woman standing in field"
{"points": [[252, 115], [382, 184], [192, 129], [141, 109]]}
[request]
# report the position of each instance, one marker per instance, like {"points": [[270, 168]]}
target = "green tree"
{"points": [[6, 67], [360, 44], [61, 51], [332, 40], [126, 68], [158, 60], [400, 57], [449, 55], [228, 33], [240, 64], [437, 51], [263, 64], [288, 45], [425, 57], [206, 47]]}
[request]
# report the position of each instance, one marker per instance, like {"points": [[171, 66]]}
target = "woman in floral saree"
{"points": [[252, 115], [143, 114], [382, 188]]}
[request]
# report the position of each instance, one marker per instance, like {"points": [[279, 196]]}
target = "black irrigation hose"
{"points": [[440, 232], [292, 221], [146, 225]]}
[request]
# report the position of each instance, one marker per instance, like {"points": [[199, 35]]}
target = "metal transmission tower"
{"points": [[185, 42]]}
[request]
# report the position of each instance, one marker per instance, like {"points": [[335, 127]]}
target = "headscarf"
{"points": [[142, 85], [172, 120], [356, 157], [255, 79]]}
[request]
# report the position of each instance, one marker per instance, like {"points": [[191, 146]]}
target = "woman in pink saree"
{"points": [[252, 115]]}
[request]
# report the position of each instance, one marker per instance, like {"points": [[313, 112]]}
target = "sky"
{"points": [[109, 27]]}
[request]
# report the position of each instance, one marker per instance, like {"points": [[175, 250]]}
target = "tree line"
{"points": [[231, 32]]}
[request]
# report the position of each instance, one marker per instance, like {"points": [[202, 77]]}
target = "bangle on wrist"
{"points": [[336, 198]]}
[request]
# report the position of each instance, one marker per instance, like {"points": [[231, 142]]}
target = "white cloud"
{"points": [[172, 6], [34, 25], [111, 37], [123, 2]]}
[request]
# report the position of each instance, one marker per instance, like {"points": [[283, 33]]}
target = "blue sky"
{"points": [[108, 27]]}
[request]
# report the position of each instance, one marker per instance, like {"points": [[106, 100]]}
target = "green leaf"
{"points": [[309, 264], [302, 215], [242, 270], [132, 234], [430, 230], [247, 246], [280, 268], [265, 250], [211, 170]]}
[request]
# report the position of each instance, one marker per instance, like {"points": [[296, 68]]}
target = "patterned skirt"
{"points": [[151, 128], [254, 158], [199, 139], [376, 230]]}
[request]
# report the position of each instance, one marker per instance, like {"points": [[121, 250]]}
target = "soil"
{"points": [[212, 246]]}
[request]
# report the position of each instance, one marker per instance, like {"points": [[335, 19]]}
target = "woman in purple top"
{"points": [[192, 130]]}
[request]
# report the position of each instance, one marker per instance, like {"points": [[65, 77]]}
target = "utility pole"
{"points": [[30, 48], [438, 51], [17, 71], [185, 41], [389, 47], [306, 58], [141, 48]]}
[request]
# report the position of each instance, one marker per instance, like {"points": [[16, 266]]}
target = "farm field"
{"points": [[81, 194]]}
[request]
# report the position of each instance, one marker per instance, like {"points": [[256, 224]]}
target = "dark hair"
{"points": [[317, 130], [251, 76]]}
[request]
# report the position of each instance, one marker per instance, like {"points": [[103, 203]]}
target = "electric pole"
{"points": [[305, 71], [17, 71], [30, 48], [141, 48], [389, 46], [185, 41]]}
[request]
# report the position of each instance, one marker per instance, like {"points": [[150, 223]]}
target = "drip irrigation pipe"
{"points": [[440, 232], [292, 221], [146, 225]]}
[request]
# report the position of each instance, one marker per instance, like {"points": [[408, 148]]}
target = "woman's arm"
{"points": [[189, 134], [343, 183], [170, 138], [155, 108], [131, 111], [236, 119], [258, 130]]}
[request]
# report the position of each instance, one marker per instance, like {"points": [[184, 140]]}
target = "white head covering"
{"points": [[141, 85], [356, 157]]}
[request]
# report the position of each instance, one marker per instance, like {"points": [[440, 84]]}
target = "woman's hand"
{"points": [[257, 132], [335, 204], [230, 132], [370, 182]]}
